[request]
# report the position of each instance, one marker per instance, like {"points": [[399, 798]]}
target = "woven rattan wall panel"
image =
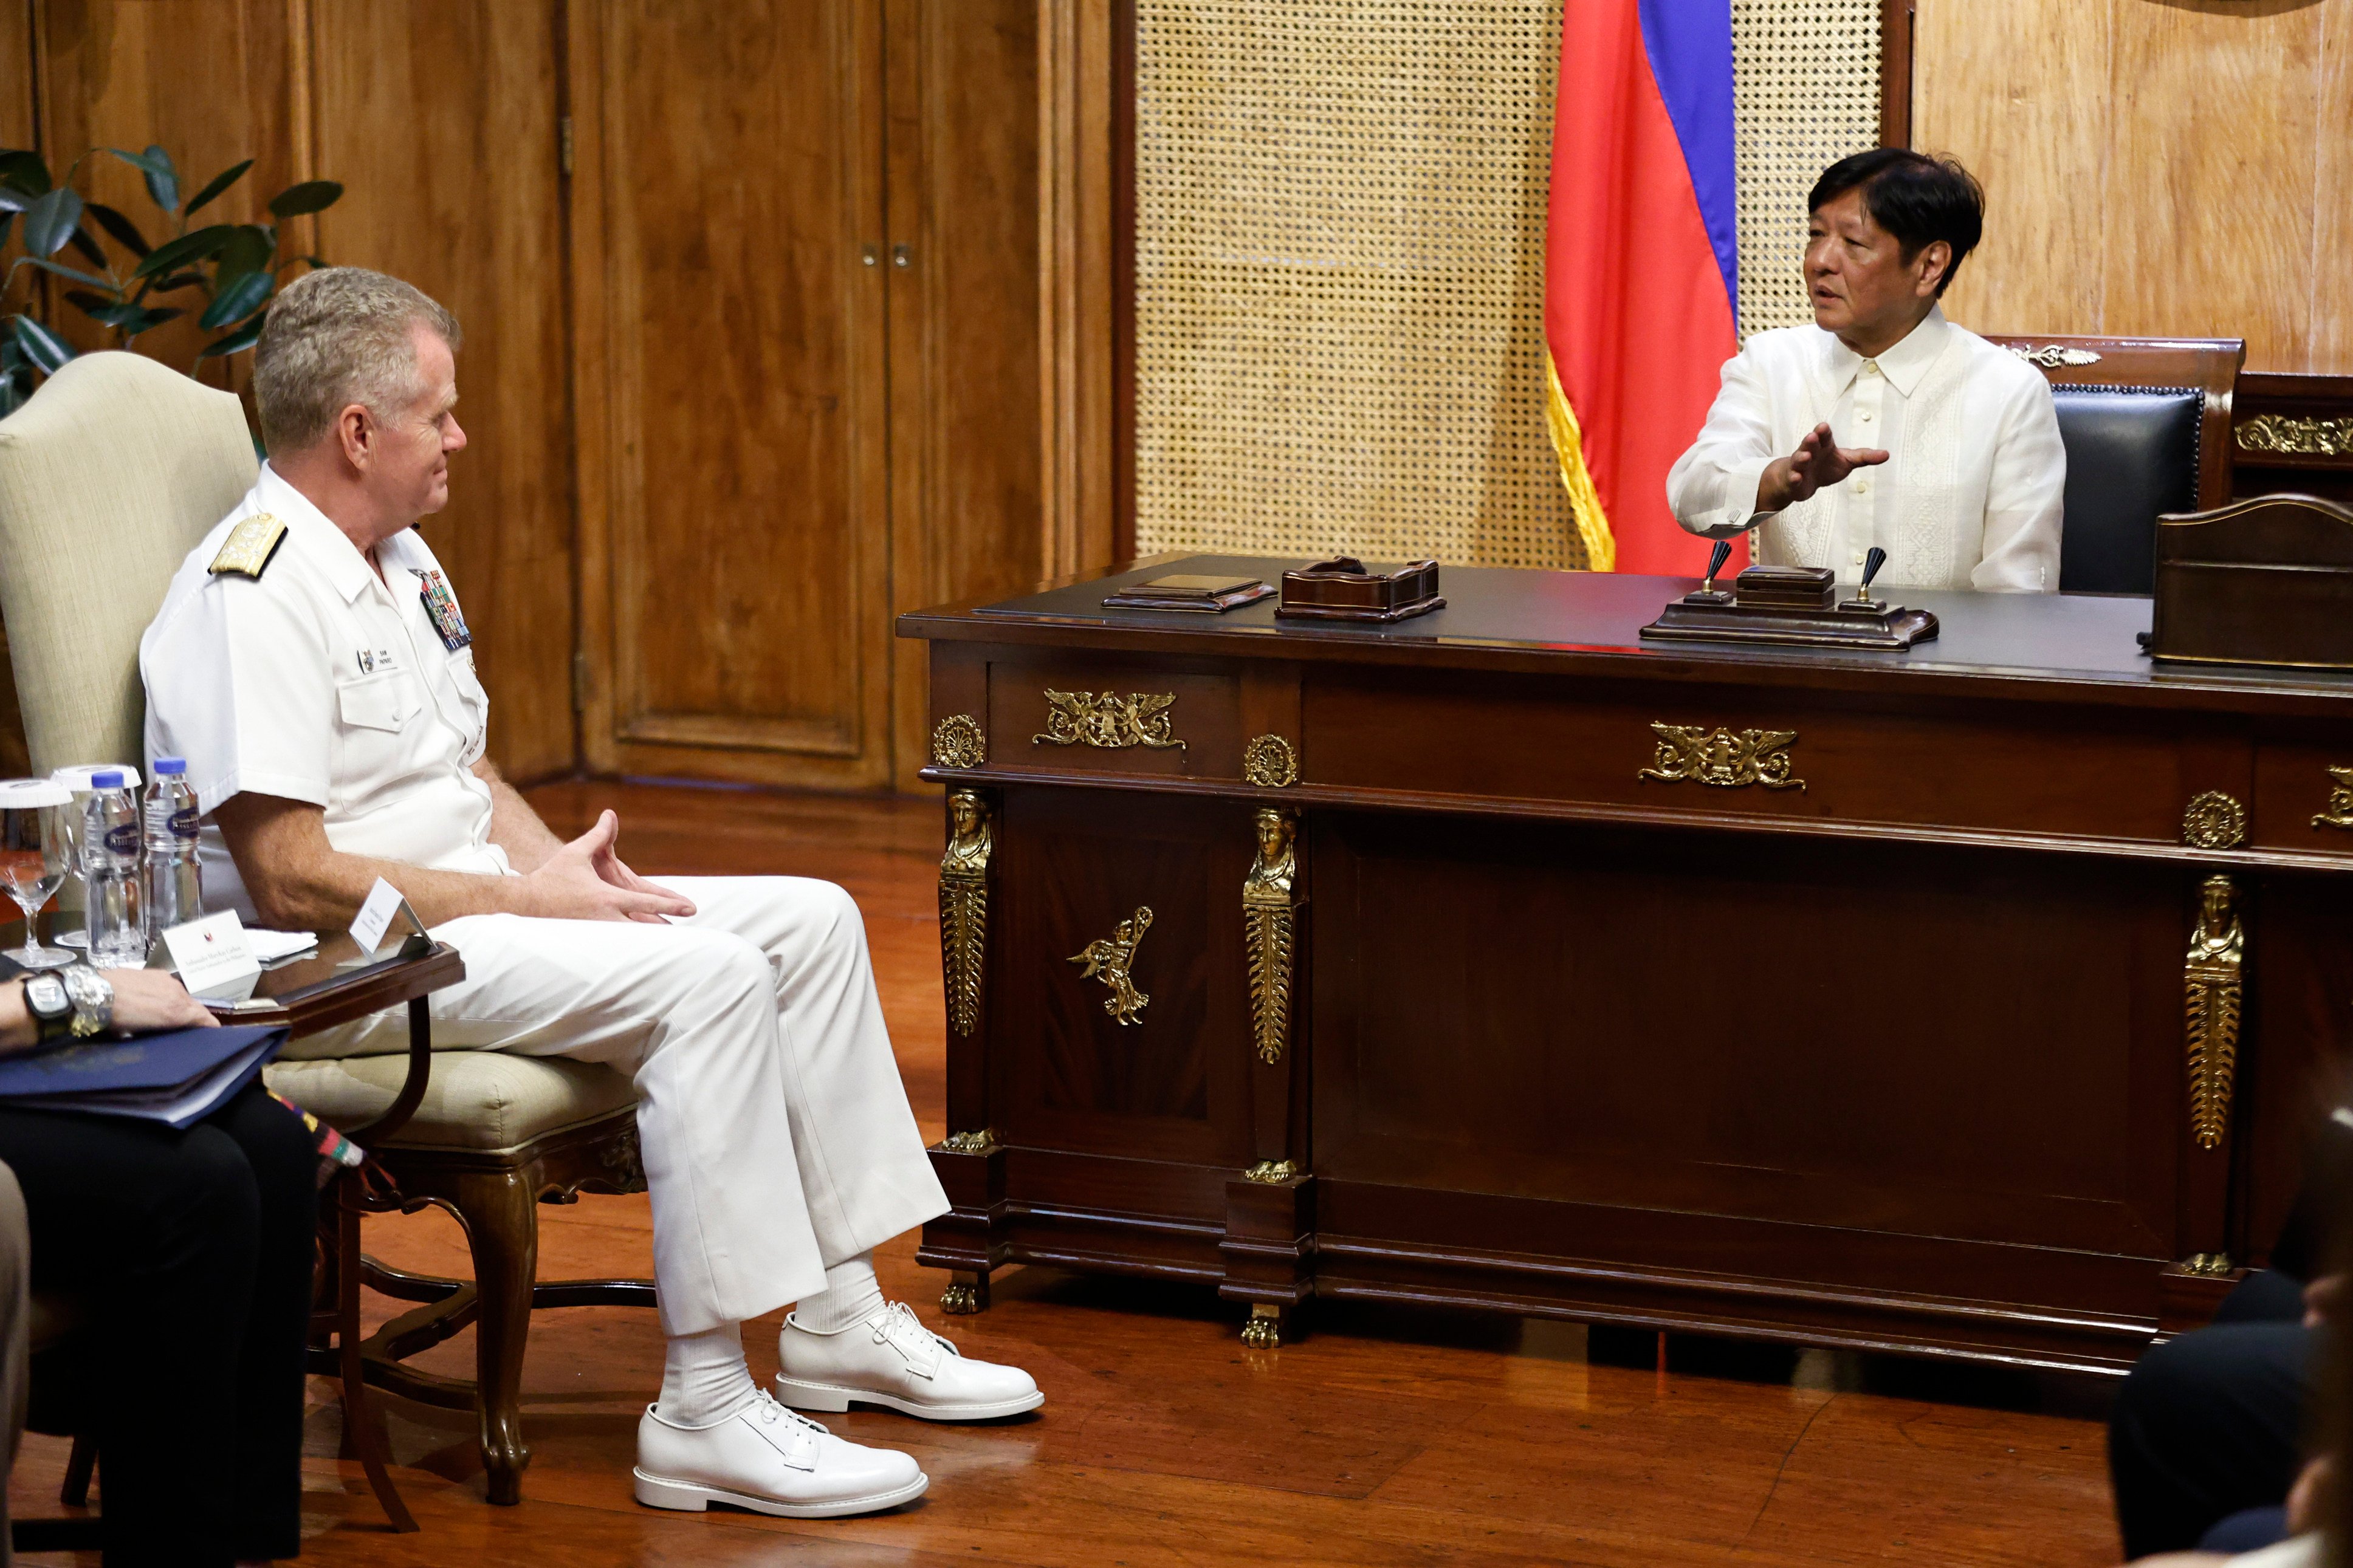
{"points": [[1805, 87], [1340, 210]]}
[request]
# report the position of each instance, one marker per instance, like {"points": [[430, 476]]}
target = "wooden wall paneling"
{"points": [[2018, 90], [213, 82], [1079, 84], [736, 469], [441, 117], [2332, 239], [967, 448], [2186, 198], [1898, 19]]}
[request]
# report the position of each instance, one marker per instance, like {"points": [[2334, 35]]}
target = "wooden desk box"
{"points": [[2263, 582]]}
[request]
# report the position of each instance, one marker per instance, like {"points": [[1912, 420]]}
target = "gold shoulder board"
{"points": [[249, 546]]}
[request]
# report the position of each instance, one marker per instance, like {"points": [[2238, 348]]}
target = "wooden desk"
{"points": [[1894, 1057]]}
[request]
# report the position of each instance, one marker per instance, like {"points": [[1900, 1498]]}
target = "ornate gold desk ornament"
{"points": [[2213, 820], [957, 741], [1269, 763], [964, 908], [2315, 436], [1264, 1332], [1690, 755], [2340, 800], [1271, 1171], [1110, 721], [980, 1141], [2213, 994], [1110, 958], [1269, 918]]}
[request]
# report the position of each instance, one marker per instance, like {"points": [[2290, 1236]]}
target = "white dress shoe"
{"points": [[891, 1359], [765, 1459]]}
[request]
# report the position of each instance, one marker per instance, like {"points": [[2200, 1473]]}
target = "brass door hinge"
{"points": [[563, 143], [579, 683]]}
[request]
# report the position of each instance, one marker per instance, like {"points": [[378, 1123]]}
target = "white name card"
{"points": [[383, 901], [212, 954]]}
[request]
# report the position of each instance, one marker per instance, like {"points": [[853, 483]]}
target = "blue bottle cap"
{"points": [[171, 767], [110, 779]]}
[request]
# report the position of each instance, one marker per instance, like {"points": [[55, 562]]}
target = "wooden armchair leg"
{"points": [[361, 1425], [500, 1212], [75, 1493]]}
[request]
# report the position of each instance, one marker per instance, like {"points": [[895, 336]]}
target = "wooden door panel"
{"points": [[1767, 1031], [736, 334], [1172, 1085]]}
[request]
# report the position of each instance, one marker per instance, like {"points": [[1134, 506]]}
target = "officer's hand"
{"points": [[614, 870], [150, 999], [570, 887]]}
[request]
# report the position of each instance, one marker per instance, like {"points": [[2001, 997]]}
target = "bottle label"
{"points": [[122, 840], [184, 822]]}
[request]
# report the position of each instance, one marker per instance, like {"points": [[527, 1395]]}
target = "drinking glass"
{"points": [[34, 854]]}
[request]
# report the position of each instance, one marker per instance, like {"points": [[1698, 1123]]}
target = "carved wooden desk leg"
{"points": [[966, 1239], [503, 1232]]}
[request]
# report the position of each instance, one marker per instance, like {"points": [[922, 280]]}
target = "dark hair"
{"points": [[1917, 198]]}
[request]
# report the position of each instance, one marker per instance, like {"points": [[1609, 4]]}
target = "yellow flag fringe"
{"points": [[1568, 442]]}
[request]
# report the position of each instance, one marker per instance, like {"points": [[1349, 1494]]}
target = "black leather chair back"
{"points": [[2132, 453]]}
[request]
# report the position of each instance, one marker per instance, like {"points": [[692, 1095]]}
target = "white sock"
{"points": [[704, 1380], [851, 1295]]}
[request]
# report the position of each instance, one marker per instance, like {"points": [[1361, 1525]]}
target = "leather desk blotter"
{"points": [[1793, 606], [1340, 589]]}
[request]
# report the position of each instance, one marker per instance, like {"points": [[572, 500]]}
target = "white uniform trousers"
{"points": [[775, 1132]]}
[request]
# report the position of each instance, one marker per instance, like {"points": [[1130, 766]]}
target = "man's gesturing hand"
{"points": [[585, 881], [1818, 461]]}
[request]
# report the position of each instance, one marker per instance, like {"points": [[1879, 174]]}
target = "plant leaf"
{"points": [[177, 280], [126, 233], [193, 246], [13, 200], [162, 179], [51, 220], [92, 302], [147, 320], [221, 182], [236, 300], [64, 271], [43, 347], [249, 249], [309, 197], [24, 170], [86, 247], [244, 338]]}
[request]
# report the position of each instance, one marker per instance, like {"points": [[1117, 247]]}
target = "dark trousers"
{"points": [[194, 1252], [2212, 1423]]}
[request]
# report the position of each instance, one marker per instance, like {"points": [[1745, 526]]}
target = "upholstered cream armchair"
{"points": [[109, 476]]}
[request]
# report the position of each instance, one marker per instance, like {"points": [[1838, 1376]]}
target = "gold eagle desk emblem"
{"points": [[1690, 755]]}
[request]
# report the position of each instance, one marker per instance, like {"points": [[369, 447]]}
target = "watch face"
{"points": [[46, 994]]}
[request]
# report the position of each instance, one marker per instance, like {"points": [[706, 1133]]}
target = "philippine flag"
{"points": [[1642, 264]]}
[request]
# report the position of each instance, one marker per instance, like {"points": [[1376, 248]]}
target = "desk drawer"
{"points": [[1804, 755], [1082, 715]]}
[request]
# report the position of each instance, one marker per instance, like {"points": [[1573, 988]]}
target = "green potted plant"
{"points": [[226, 273]]}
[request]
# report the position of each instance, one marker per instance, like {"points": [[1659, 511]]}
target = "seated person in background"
{"points": [[192, 1253], [310, 662], [2208, 1434], [1884, 423]]}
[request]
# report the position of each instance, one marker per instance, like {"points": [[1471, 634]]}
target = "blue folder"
{"points": [[177, 1077]]}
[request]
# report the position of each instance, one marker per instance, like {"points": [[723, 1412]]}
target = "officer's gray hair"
{"points": [[332, 338]]}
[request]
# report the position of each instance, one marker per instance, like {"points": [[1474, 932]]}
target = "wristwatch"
{"points": [[93, 1000], [52, 1008]]}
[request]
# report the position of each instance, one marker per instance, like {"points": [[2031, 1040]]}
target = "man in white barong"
{"points": [[312, 664], [1884, 423]]}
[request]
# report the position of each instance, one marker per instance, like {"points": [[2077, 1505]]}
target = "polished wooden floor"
{"points": [[1383, 1438]]}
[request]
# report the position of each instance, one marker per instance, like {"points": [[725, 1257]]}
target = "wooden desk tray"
{"points": [[1194, 593], [1793, 606], [1340, 589]]}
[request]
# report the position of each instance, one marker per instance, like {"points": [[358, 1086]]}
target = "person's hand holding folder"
{"points": [[144, 999]]}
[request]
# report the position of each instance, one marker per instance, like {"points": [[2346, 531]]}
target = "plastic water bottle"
{"points": [[110, 865], [174, 888]]}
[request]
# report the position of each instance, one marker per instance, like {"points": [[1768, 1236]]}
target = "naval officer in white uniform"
{"points": [[1884, 423], [312, 665]]}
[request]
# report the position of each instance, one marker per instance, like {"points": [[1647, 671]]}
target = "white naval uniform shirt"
{"points": [[321, 682], [1969, 496]]}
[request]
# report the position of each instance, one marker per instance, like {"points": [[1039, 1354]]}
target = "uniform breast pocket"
{"points": [[380, 702]]}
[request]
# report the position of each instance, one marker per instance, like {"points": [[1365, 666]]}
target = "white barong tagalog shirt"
{"points": [[1969, 496]]}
